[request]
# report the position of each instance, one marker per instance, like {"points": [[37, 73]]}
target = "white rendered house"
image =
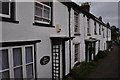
{"points": [[47, 39]]}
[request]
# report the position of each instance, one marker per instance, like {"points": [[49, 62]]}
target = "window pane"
{"points": [[17, 56], [4, 63], [76, 51], [76, 22], [5, 8], [38, 11], [39, 5], [4, 74], [0, 6], [29, 55], [46, 2], [38, 18], [47, 8], [46, 14], [29, 69], [18, 72]]}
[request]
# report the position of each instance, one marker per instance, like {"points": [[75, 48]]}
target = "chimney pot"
{"points": [[100, 18], [86, 6]]}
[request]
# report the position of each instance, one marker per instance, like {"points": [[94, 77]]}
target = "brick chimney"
{"points": [[86, 6]]}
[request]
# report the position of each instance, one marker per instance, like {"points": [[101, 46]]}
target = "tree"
{"points": [[115, 33], [114, 30]]}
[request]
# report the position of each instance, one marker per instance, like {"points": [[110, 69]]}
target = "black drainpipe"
{"points": [[69, 9]]}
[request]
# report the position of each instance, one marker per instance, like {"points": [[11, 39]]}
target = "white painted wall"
{"points": [[25, 30], [61, 18]]}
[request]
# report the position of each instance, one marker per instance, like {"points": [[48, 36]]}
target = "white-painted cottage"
{"points": [[47, 39]]}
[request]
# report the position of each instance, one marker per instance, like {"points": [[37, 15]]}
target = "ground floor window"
{"points": [[76, 52], [17, 62]]}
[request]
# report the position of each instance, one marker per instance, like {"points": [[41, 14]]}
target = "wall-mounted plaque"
{"points": [[44, 60]]}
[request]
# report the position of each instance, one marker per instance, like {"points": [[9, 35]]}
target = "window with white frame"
{"points": [[103, 33], [17, 62], [95, 28], [88, 26], [76, 22], [4, 64], [99, 29], [5, 10], [76, 51], [42, 12]]}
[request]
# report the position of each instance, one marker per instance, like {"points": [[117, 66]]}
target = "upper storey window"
{"points": [[99, 29], [5, 8], [88, 27], [7, 11], [76, 21], [42, 12], [95, 29]]}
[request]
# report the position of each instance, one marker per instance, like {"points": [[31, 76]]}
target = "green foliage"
{"points": [[101, 54], [84, 69], [79, 73]]}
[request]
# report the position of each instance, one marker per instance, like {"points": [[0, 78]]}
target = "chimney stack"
{"points": [[108, 24], [100, 18], [86, 6]]}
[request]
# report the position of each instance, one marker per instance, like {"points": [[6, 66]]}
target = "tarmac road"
{"points": [[109, 68]]}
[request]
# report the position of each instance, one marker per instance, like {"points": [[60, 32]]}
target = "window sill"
{"points": [[3, 19], [43, 25], [77, 34]]}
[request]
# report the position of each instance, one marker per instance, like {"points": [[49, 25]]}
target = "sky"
{"points": [[107, 9]]}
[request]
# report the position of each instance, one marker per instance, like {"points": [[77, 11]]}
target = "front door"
{"points": [[89, 51], [58, 60]]}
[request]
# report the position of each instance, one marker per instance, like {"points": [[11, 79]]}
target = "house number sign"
{"points": [[44, 60]]}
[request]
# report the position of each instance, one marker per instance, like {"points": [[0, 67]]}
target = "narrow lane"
{"points": [[108, 68]]}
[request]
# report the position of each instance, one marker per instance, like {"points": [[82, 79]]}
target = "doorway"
{"points": [[58, 60], [89, 51]]}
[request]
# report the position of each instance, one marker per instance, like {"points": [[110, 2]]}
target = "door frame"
{"points": [[88, 57], [63, 60]]}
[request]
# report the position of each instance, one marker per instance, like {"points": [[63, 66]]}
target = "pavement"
{"points": [[109, 68]]}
